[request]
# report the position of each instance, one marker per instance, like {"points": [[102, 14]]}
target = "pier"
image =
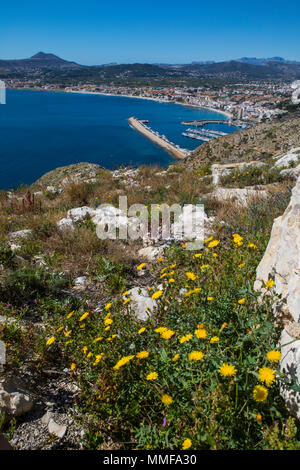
{"points": [[202, 122], [162, 141]]}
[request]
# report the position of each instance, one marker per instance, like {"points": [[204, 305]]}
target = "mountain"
{"points": [[262, 61], [38, 61]]}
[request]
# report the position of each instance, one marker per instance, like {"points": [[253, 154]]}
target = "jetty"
{"points": [[202, 122], [158, 139]]}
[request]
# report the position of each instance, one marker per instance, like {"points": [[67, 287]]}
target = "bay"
{"points": [[41, 130]]}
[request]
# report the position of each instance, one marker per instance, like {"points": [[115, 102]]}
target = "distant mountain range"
{"points": [[50, 67]]}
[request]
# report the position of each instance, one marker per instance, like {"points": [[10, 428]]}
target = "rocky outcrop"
{"points": [[13, 401], [241, 196], [281, 262]]}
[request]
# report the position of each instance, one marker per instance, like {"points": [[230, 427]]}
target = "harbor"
{"points": [[158, 139]]}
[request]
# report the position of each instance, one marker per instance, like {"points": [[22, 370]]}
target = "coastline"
{"points": [[189, 105]]}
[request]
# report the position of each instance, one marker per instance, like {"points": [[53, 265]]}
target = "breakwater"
{"points": [[170, 147]]}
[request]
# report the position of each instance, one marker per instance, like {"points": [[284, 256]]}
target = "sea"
{"points": [[41, 130]]}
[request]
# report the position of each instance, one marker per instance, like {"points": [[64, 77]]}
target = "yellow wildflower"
{"points": [[175, 358], [73, 366], [142, 354], [214, 339], [141, 330], [141, 266], [270, 283], [152, 376], [227, 370], [50, 341], [242, 301], [201, 333], [274, 356], [126, 301], [210, 299], [196, 356], [187, 443], [125, 293], [70, 314], [191, 276], [124, 360], [208, 240], [167, 334], [166, 399], [108, 321], [157, 294], [260, 393], [185, 338], [267, 375], [213, 244], [107, 306]]}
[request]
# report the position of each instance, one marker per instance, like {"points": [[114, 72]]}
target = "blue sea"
{"points": [[41, 130]]}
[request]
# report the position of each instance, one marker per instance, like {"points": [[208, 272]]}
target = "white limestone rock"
{"points": [[281, 262], [65, 224], [241, 196], [20, 234], [142, 303]]}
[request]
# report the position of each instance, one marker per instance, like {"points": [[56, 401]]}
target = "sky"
{"points": [[155, 31]]}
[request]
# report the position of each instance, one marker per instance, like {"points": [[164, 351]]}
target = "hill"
{"points": [[255, 143]]}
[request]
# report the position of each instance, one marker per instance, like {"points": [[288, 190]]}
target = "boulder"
{"points": [[240, 196], [281, 262], [58, 430], [65, 224], [142, 303], [20, 234], [13, 401]]}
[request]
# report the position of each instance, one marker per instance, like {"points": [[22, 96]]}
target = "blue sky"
{"points": [[96, 32]]}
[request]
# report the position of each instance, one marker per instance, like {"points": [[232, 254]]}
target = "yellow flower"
{"points": [[201, 333], [260, 393], [270, 283], [89, 355], [215, 255], [50, 341], [196, 356], [173, 266], [160, 260], [167, 334], [98, 359], [84, 349], [274, 356], [73, 366], [213, 244], [258, 417], [267, 375], [82, 325], [124, 360], [108, 321], [252, 245], [163, 275], [187, 443], [166, 399], [59, 329], [163, 270], [208, 239], [204, 266], [185, 338], [210, 299], [68, 333], [125, 293], [152, 376], [142, 354], [242, 265], [141, 330], [141, 266], [175, 358], [242, 301], [237, 238], [70, 314], [98, 339], [69, 342], [161, 329], [171, 280], [107, 306], [214, 339], [191, 276], [126, 301], [227, 370], [197, 255], [157, 294]]}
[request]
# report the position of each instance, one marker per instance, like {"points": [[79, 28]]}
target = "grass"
{"points": [[191, 401]]}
